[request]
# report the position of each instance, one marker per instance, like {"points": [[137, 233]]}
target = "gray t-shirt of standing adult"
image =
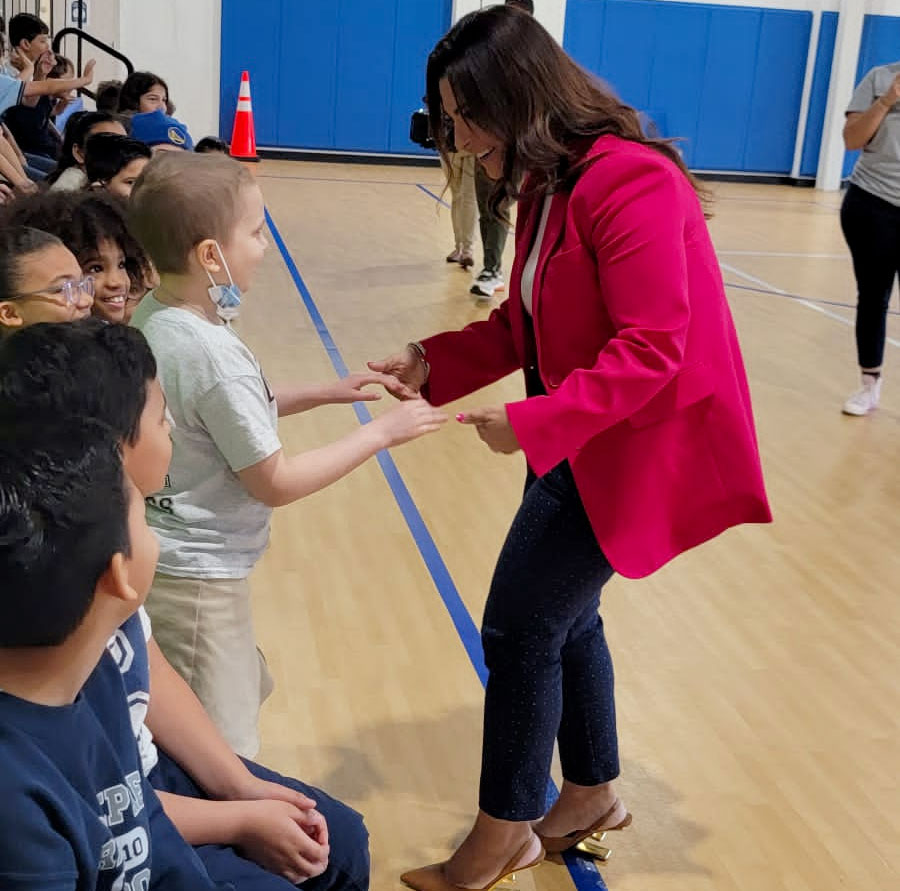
{"points": [[225, 420], [878, 168]]}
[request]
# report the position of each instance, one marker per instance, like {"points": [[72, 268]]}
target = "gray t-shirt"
{"points": [[225, 420], [878, 168]]}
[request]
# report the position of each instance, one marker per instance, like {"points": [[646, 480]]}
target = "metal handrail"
{"points": [[82, 37]]}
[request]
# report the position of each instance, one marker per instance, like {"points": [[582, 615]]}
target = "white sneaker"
{"points": [[866, 398], [486, 283]]}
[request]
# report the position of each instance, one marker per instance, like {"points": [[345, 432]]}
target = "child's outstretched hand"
{"points": [[350, 388], [87, 76], [408, 421]]}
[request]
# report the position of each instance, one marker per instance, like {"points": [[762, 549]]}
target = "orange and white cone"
{"points": [[243, 137]]}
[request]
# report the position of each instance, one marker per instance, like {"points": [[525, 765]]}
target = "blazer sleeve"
{"points": [[633, 213], [467, 360]]}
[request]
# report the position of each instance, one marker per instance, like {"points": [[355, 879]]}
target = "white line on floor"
{"points": [[785, 254], [770, 287]]}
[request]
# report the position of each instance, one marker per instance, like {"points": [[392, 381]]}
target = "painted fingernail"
{"points": [[460, 417]]}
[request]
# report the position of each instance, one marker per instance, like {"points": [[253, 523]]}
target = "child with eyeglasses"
{"points": [[92, 226], [40, 280]]}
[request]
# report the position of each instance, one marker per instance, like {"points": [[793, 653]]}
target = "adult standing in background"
{"points": [[494, 226], [870, 218], [459, 169]]}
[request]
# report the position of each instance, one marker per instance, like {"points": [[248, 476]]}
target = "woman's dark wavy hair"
{"points": [[513, 80]]}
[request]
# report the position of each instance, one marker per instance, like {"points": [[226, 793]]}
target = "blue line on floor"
{"points": [[584, 872], [432, 195], [465, 627]]}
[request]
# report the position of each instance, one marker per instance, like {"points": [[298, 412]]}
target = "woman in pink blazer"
{"points": [[637, 429]]}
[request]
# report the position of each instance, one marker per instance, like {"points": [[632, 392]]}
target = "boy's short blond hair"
{"points": [[182, 199]]}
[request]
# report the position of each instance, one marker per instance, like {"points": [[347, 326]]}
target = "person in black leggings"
{"points": [[870, 219]]}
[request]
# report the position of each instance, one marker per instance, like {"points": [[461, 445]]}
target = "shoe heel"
{"points": [[592, 847]]}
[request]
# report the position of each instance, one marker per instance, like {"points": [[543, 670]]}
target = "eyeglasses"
{"points": [[68, 292]]}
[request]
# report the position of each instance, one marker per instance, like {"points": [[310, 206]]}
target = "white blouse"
{"points": [[531, 263]]}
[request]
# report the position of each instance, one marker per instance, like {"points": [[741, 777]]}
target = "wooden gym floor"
{"points": [[758, 677]]}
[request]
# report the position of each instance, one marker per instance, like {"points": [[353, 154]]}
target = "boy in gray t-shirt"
{"points": [[228, 467]]}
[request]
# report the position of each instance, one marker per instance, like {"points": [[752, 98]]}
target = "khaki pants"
{"points": [[463, 205], [205, 629]]}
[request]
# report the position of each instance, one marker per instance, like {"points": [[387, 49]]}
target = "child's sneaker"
{"points": [[486, 283], [866, 398], [455, 255]]}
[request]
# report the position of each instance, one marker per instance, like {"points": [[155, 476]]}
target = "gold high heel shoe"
{"points": [[433, 878], [587, 841]]}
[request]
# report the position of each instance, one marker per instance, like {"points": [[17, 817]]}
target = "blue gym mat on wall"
{"points": [[330, 74], [344, 75], [728, 80]]}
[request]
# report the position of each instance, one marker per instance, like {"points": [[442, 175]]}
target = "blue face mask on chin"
{"points": [[227, 298]]}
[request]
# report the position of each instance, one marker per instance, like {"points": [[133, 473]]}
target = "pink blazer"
{"points": [[647, 397]]}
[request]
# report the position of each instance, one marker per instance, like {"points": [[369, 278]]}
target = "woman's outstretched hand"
{"points": [[492, 425], [408, 368]]}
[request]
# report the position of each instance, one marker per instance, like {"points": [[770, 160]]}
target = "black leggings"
{"points": [[872, 229]]}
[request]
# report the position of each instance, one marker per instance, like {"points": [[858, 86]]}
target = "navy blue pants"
{"points": [[37, 166], [550, 671], [348, 865]]}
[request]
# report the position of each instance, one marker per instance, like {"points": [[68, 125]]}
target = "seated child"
{"points": [[108, 96], [161, 132], [114, 162], [69, 175], [70, 103], [31, 120], [212, 144], [16, 89], [229, 470], [92, 225], [40, 280], [143, 92], [76, 559], [29, 38], [255, 828]]}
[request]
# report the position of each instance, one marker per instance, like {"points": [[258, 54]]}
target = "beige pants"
{"points": [[463, 204], [205, 629]]}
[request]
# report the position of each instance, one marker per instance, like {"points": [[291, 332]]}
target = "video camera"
{"points": [[420, 129]]}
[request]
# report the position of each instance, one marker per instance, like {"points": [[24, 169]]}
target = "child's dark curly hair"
{"points": [[82, 220]]}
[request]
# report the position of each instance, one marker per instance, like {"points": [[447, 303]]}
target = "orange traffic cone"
{"points": [[243, 137]]}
